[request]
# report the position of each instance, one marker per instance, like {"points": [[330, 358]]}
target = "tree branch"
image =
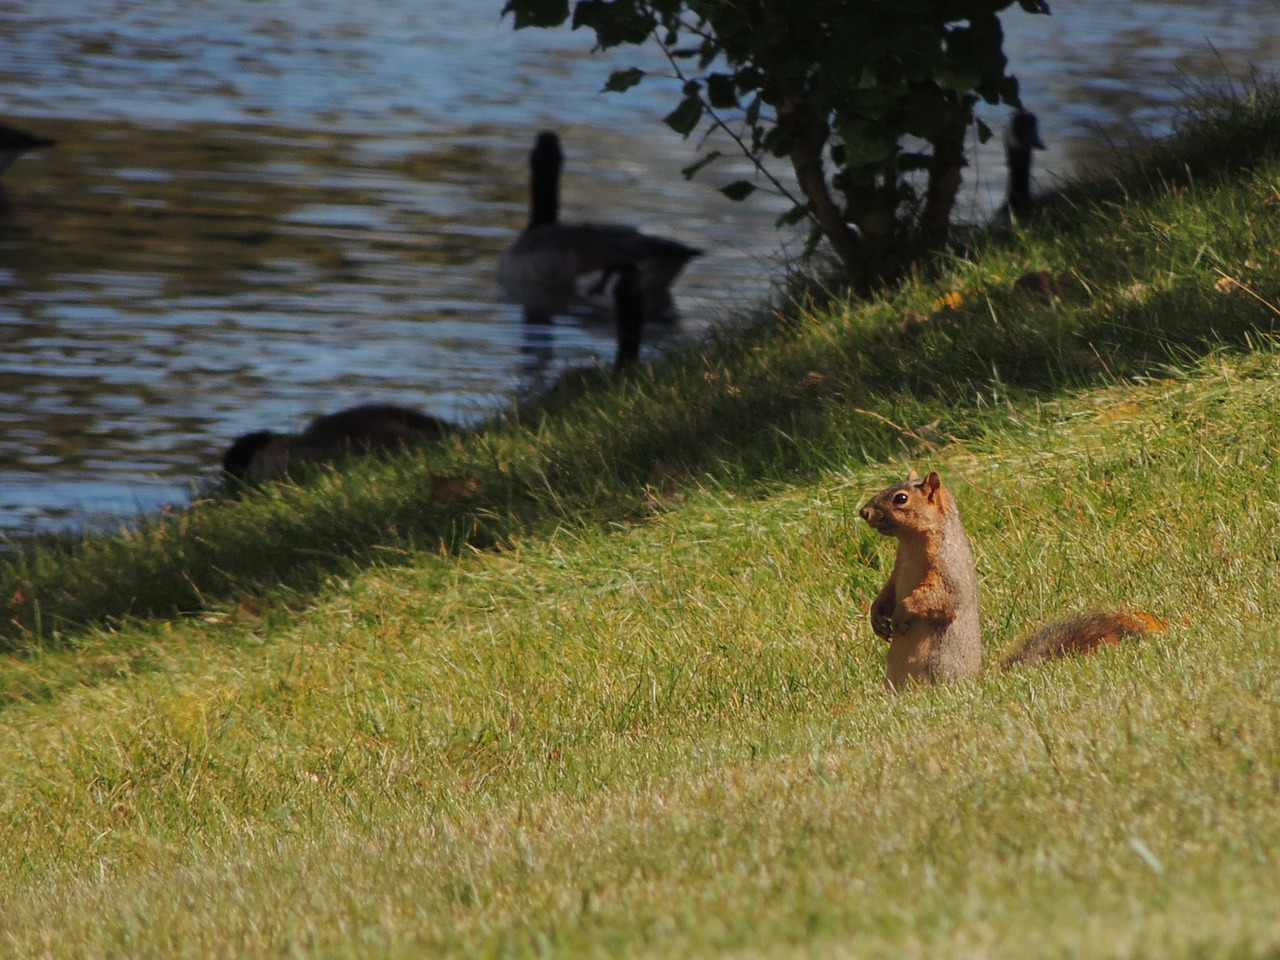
{"points": [[718, 123], [806, 159]]}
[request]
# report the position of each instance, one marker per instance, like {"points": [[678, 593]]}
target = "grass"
{"points": [[621, 697]]}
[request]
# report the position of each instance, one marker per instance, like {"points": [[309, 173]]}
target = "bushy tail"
{"points": [[1082, 634]]}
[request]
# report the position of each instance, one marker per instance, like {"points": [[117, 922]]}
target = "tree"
{"points": [[881, 90]]}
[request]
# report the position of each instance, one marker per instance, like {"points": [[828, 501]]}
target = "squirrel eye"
{"points": [[900, 498]]}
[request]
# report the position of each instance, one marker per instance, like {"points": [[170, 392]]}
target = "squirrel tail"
{"points": [[1082, 634]]}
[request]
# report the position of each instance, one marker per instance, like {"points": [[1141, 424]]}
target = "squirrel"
{"points": [[928, 611]]}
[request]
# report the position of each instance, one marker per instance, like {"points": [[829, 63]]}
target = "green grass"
{"points": [[624, 699]]}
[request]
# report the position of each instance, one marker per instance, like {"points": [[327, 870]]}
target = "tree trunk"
{"points": [[944, 184], [806, 160]]}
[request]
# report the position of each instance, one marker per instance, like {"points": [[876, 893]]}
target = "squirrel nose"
{"points": [[865, 512]]}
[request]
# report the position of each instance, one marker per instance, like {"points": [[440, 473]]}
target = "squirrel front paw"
{"points": [[882, 624]]}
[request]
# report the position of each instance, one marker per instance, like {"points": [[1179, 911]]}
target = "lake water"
{"points": [[260, 212]]}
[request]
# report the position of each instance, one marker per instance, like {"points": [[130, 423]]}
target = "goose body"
{"points": [[554, 266], [14, 143], [265, 455]]}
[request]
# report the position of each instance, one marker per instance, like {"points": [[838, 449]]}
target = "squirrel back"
{"points": [[928, 611]]}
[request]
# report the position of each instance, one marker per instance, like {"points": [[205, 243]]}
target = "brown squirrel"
{"points": [[928, 611]]}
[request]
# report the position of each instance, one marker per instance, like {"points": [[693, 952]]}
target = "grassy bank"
{"points": [[616, 693]]}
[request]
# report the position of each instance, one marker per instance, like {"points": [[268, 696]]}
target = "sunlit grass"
{"points": [[673, 738]]}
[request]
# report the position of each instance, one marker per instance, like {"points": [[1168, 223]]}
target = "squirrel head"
{"points": [[910, 506]]}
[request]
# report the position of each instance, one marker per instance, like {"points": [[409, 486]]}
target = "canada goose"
{"points": [[551, 264], [264, 455], [14, 143], [628, 310], [620, 281], [1020, 138]]}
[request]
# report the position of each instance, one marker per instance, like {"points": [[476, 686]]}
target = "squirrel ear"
{"points": [[932, 483], [912, 476]]}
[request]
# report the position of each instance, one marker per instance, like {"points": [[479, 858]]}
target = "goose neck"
{"points": [[1019, 162]]}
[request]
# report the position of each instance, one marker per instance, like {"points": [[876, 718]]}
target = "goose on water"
{"points": [[554, 266], [264, 455]]}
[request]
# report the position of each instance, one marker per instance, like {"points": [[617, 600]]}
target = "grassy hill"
{"points": [[599, 681]]}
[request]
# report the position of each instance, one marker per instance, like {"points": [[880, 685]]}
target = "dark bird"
{"points": [[1020, 138], [14, 143], [264, 455], [628, 310], [553, 266], [620, 283]]}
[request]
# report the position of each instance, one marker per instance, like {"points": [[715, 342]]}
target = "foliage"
{"points": [[883, 92]]}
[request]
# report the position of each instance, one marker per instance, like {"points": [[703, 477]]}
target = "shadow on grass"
{"points": [[767, 405], [733, 420]]}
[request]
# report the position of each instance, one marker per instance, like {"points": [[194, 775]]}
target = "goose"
{"points": [[14, 143], [628, 310], [553, 266], [1020, 138], [265, 455], [620, 281]]}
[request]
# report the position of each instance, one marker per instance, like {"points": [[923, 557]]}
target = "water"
{"points": [[262, 212]]}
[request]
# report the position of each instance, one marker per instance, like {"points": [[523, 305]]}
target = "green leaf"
{"points": [[686, 116], [621, 80], [721, 93], [537, 13], [739, 190], [614, 23]]}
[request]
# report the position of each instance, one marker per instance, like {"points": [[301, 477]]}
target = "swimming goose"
{"points": [[1020, 138], [14, 143], [554, 265], [264, 455]]}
